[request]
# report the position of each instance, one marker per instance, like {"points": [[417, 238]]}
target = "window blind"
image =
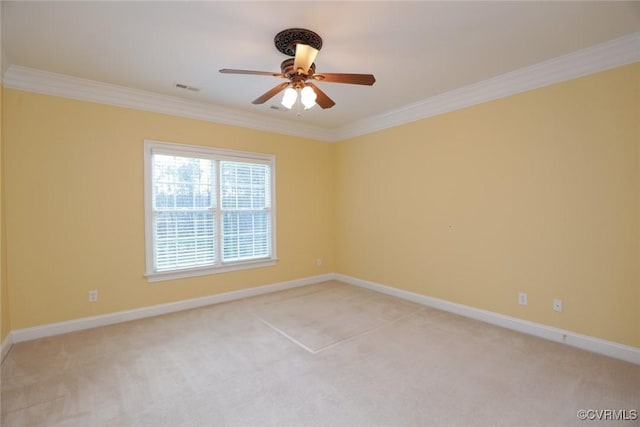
{"points": [[245, 205], [183, 218]]}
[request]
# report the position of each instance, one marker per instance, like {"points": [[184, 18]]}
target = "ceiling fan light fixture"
{"points": [[308, 97], [289, 98], [300, 70]]}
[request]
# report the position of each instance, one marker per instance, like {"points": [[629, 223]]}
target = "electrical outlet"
{"points": [[522, 298], [93, 296], [557, 305], [319, 262]]}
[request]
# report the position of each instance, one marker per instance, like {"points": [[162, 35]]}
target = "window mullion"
{"points": [[154, 216], [216, 175]]}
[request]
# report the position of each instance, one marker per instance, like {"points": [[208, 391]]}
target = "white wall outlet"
{"points": [[93, 296], [522, 298], [557, 304], [319, 262]]}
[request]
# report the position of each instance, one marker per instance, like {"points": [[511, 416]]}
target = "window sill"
{"points": [[194, 272]]}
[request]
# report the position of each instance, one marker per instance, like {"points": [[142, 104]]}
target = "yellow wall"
{"points": [[5, 322], [536, 193], [75, 212]]}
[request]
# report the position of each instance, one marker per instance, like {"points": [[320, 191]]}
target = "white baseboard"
{"points": [[585, 342], [27, 334], [6, 346]]}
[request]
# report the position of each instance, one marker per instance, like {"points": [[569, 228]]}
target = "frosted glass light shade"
{"points": [[289, 98], [308, 97]]}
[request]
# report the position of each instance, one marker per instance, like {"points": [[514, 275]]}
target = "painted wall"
{"points": [[75, 211], [536, 193], [5, 322], [5, 326]]}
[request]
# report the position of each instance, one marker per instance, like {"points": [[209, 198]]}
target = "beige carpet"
{"points": [[320, 319], [321, 355]]}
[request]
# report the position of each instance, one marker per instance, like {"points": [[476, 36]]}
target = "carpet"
{"points": [[328, 316], [359, 359]]}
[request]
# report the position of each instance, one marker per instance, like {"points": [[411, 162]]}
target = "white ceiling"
{"points": [[416, 50]]}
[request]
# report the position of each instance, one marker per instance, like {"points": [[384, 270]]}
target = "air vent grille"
{"points": [[187, 87]]}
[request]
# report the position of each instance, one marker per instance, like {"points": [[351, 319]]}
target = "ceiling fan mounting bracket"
{"points": [[286, 40]]}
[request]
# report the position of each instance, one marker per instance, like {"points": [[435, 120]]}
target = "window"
{"points": [[207, 210]]}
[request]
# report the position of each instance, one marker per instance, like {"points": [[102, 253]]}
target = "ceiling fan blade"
{"points": [[258, 73], [270, 94], [322, 99], [305, 55], [354, 79]]}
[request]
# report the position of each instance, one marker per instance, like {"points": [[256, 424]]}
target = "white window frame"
{"points": [[151, 146]]}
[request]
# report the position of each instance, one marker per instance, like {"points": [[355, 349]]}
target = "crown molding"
{"points": [[615, 53], [48, 83]]}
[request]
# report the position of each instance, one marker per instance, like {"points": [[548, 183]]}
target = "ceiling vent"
{"points": [[187, 87]]}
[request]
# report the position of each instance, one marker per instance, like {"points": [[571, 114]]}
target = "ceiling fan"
{"points": [[300, 71]]}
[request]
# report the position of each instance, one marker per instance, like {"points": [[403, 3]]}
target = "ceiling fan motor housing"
{"points": [[286, 40], [296, 78]]}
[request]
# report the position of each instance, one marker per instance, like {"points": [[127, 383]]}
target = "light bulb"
{"points": [[289, 98], [308, 97]]}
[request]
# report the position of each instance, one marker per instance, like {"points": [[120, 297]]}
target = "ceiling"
{"points": [[416, 49]]}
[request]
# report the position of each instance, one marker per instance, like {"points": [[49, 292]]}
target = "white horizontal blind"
{"points": [[183, 212], [207, 210], [245, 204]]}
